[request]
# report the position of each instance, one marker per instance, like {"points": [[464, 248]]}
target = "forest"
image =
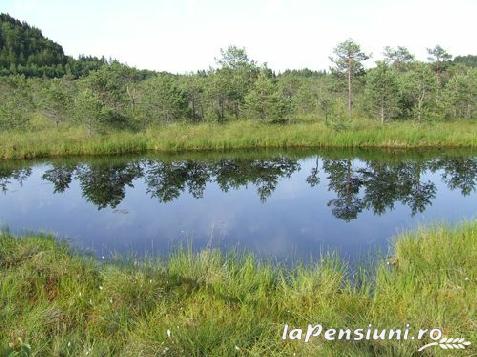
{"points": [[42, 88]]}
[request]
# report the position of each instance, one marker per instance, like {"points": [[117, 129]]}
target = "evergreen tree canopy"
{"points": [[23, 47], [24, 50]]}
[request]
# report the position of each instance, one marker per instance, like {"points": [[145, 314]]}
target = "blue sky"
{"points": [[186, 35]]}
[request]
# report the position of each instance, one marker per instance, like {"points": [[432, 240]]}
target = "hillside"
{"points": [[24, 50]]}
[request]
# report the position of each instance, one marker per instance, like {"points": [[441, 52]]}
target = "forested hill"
{"points": [[24, 50]]}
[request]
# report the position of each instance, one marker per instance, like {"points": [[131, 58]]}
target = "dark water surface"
{"points": [[284, 205]]}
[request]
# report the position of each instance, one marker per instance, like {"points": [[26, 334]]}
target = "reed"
{"points": [[242, 134]]}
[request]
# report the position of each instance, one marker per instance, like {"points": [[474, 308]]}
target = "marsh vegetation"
{"points": [[55, 302]]}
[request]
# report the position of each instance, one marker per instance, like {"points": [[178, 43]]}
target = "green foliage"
{"points": [[89, 110], [15, 103], [235, 58], [230, 83], [440, 59], [55, 100], [265, 102], [438, 54], [348, 58], [241, 134], [418, 86], [469, 60], [383, 91], [460, 95], [399, 57], [162, 100], [348, 63], [24, 50], [110, 87], [194, 89]]}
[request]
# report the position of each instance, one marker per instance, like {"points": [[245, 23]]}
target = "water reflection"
{"points": [[104, 184], [378, 186], [280, 204], [9, 174], [357, 185], [459, 174]]}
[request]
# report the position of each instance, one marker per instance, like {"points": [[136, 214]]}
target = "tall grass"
{"points": [[56, 302], [238, 135]]}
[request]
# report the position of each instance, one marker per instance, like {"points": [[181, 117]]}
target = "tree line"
{"points": [[101, 94]]}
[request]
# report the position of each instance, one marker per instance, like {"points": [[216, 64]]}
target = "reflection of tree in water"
{"points": [[7, 175], [345, 182], [167, 181], [384, 184], [412, 191], [381, 184], [60, 176], [314, 178], [372, 185], [102, 184], [458, 173], [262, 173], [106, 185]]}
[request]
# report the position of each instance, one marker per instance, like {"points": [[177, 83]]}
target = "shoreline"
{"points": [[194, 302], [240, 135]]}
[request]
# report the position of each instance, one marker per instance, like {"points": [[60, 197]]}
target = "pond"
{"points": [[288, 206]]}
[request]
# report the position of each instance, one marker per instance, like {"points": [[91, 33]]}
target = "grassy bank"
{"points": [[55, 302], [238, 135]]}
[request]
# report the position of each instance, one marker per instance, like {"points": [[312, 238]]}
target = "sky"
{"points": [[186, 35]]}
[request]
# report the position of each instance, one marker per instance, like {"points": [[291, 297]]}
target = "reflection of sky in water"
{"points": [[295, 222]]}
